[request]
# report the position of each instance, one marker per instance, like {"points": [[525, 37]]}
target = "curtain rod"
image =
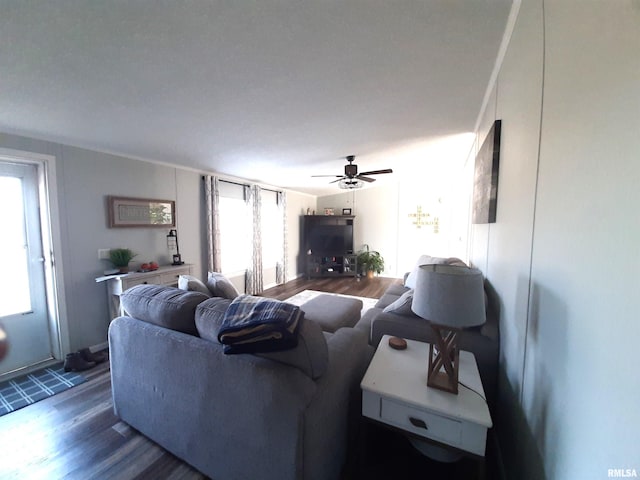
{"points": [[245, 185]]}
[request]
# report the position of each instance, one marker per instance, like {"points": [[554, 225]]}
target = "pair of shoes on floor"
{"points": [[97, 357], [83, 360]]}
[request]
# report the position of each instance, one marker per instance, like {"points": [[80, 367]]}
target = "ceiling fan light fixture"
{"points": [[350, 183], [351, 179]]}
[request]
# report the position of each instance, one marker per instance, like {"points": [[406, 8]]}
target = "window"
{"points": [[235, 229]]}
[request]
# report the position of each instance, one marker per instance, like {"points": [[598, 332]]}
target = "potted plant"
{"points": [[370, 261], [120, 257]]}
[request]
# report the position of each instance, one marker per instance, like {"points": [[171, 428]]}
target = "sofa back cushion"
{"points": [[410, 281], [164, 306], [311, 355]]}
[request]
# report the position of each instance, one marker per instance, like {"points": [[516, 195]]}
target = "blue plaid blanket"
{"points": [[256, 324]]}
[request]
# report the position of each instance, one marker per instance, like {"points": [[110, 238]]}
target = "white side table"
{"points": [[116, 284], [395, 393]]}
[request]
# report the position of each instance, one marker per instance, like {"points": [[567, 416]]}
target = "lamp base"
{"points": [[444, 355]]}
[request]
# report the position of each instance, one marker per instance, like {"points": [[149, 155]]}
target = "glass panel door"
{"points": [[23, 300], [13, 243]]}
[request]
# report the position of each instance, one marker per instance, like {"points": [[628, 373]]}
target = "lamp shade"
{"points": [[449, 295]]}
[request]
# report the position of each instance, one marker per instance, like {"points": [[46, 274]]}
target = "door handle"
{"points": [[416, 422]]}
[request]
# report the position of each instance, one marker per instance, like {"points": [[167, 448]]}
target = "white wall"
{"points": [[84, 179], [563, 254], [384, 223]]}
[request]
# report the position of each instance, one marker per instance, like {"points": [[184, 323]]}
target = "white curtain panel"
{"points": [[281, 266], [254, 281], [212, 200]]}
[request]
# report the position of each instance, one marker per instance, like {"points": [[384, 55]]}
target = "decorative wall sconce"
{"points": [[422, 218], [172, 245]]}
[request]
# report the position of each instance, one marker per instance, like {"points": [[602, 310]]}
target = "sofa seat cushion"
{"points": [[311, 355], [167, 307], [332, 312]]}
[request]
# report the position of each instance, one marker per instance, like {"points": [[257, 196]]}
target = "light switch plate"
{"points": [[103, 253]]}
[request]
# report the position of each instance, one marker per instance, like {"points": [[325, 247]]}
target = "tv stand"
{"points": [[345, 265], [328, 246]]}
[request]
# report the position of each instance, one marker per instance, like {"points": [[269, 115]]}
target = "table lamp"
{"points": [[172, 244], [450, 298]]}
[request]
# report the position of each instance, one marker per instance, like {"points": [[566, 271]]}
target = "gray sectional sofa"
{"points": [[392, 315], [280, 415]]}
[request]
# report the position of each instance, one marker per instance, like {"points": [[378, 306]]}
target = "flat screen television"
{"points": [[331, 239]]}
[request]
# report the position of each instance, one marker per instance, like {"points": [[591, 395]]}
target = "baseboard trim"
{"points": [[99, 346]]}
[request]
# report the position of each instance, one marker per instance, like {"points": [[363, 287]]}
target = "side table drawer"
{"points": [[421, 422], [171, 278], [147, 279]]}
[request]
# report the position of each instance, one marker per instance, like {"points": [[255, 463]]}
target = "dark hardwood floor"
{"points": [[363, 287], [76, 435]]}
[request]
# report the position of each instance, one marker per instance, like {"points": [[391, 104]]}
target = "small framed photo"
{"points": [[328, 211], [346, 211]]}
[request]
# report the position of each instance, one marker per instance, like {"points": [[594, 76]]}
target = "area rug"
{"points": [[33, 387], [306, 295]]}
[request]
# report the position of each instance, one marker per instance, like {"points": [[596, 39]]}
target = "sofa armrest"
{"points": [[332, 416], [219, 412]]}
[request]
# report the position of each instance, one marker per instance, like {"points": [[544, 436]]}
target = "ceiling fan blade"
{"points": [[377, 172], [341, 177], [366, 179], [335, 176]]}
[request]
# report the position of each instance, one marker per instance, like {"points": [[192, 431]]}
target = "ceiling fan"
{"points": [[351, 178]]}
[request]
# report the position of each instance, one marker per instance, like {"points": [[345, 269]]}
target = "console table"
{"points": [[395, 394], [116, 284]]}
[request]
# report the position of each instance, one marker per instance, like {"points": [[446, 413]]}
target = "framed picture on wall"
{"points": [[346, 211], [485, 182], [328, 211], [140, 212]]}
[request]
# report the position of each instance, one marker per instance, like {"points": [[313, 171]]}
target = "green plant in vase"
{"points": [[120, 257], [370, 261]]}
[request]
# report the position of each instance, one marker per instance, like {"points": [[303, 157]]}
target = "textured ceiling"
{"points": [[268, 90]]}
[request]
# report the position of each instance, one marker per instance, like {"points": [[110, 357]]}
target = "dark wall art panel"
{"points": [[485, 184]]}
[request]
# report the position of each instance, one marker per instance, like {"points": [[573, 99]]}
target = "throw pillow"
{"points": [[220, 286], [402, 306], [192, 284], [410, 282]]}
